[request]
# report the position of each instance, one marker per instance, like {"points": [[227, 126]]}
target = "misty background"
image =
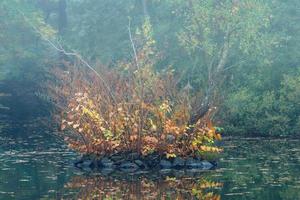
{"points": [[239, 56]]}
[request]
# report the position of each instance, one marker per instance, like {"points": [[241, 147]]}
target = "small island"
{"points": [[135, 118]]}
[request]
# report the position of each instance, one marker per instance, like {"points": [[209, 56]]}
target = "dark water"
{"points": [[35, 165]]}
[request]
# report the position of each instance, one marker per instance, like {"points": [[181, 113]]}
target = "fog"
{"points": [[160, 68]]}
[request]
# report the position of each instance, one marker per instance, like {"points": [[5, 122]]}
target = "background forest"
{"points": [[240, 56]]}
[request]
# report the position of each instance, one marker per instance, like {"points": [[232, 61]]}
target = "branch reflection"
{"points": [[131, 187]]}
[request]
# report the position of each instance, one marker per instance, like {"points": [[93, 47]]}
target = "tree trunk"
{"points": [[223, 58], [145, 8], [213, 83], [62, 13]]}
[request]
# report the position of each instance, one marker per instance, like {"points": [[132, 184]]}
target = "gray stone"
{"points": [[106, 171], [94, 164], [106, 163], [119, 162], [193, 163], [164, 164], [178, 162], [152, 160], [129, 167], [141, 164], [87, 164], [116, 158], [83, 161], [133, 156], [207, 165]]}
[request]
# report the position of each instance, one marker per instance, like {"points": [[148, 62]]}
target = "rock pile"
{"points": [[131, 163]]}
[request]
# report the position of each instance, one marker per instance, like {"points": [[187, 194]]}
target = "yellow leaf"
{"points": [[218, 137], [170, 155]]}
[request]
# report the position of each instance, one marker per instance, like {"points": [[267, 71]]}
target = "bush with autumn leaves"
{"points": [[129, 108]]}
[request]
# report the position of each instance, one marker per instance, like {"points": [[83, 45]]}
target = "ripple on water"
{"points": [[248, 168], [24, 180], [237, 194]]}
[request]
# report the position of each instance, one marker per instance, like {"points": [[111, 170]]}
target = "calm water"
{"points": [[35, 165]]}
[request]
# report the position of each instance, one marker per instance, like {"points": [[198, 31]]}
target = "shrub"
{"points": [[131, 108], [100, 124], [269, 112]]}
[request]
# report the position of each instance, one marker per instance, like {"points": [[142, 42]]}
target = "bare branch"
{"points": [[58, 47], [132, 44]]}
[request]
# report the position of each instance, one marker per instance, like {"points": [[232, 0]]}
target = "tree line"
{"points": [[241, 57]]}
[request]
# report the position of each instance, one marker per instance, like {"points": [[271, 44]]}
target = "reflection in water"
{"points": [[101, 187], [261, 168], [35, 165]]}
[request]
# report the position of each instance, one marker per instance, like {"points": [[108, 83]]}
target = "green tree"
{"points": [[220, 35], [21, 48]]}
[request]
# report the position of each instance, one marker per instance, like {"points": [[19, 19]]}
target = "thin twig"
{"points": [[132, 45], [140, 79], [234, 65]]}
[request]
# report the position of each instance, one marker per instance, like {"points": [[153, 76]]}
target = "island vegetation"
{"points": [[130, 108]]}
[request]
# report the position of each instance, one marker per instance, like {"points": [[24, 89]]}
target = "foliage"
{"points": [[134, 109], [235, 55], [274, 113], [222, 34], [256, 103]]}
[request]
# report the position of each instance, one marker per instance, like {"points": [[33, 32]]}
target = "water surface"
{"points": [[37, 165]]}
